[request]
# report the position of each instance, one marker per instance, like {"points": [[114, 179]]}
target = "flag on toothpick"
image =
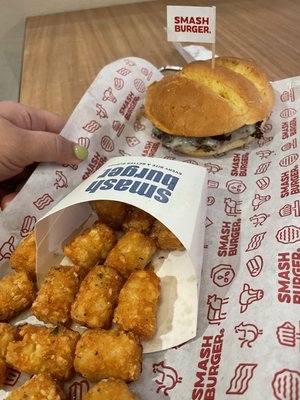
{"points": [[192, 24]]}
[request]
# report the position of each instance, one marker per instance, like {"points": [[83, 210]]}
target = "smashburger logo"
{"points": [[208, 367], [191, 24]]}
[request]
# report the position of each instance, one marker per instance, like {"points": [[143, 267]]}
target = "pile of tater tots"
{"points": [[109, 289]]}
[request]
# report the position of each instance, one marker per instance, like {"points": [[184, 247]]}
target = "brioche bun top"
{"points": [[201, 101]]}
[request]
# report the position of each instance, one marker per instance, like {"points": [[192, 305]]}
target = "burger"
{"points": [[204, 111]]}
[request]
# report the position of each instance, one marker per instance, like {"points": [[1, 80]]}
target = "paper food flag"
{"points": [[191, 24]]}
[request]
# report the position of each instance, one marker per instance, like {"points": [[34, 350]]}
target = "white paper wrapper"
{"points": [[247, 344]]}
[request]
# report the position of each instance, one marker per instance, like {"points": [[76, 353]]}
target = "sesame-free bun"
{"points": [[201, 101]]}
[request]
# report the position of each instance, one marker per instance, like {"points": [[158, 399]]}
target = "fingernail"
{"points": [[80, 152]]}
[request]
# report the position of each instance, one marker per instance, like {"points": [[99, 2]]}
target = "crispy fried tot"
{"points": [[138, 220], [2, 370], [133, 251], [164, 238], [112, 389], [57, 294], [16, 294], [44, 350], [110, 212], [108, 354], [91, 246], [24, 256], [97, 297], [39, 387], [8, 333], [138, 301]]}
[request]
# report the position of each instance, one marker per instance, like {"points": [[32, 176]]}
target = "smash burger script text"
{"points": [[141, 180]]}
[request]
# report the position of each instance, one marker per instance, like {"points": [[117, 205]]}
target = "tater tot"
{"points": [[92, 246], [138, 220], [39, 387], [133, 251], [8, 333], [97, 297], [164, 238], [108, 354], [112, 389], [57, 294], [2, 370], [16, 294], [44, 350], [110, 212], [24, 256], [138, 302]]}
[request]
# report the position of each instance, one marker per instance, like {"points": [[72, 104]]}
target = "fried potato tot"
{"points": [[110, 212], [138, 302], [108, 354], [97, 297], [24, 256], [17, 293], [39, 387], [164, 238], [92, 246], [138, 220], [44, 350], [133, 251], [8, 333], [2, 370], [112, 389], [57, 294]]}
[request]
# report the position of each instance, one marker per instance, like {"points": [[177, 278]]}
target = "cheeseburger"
{"points": [[204, 111]]}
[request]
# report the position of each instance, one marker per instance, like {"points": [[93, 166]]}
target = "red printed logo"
{"points": [[208, 222], [84, 142], [138, 126], [43, 201], [248, 333], [167, 377], [290, 209], [262, 168], [255, 266], [78, 390], [263, 182], [148, 74], [222, 275], [232, 207], [139, 85], [288, 160], [118, 83], [100, 111], [210, 200], [242, 376], [288, 112], [132, 141], [290, 145], [286, 385], [124, 71], [288, 234], [28, 225], [256, 241], [212, 184], [259, 219], [212, 168], [12, 376], [249, 296], [109, 96], [61, 180], [215, 315], [118, 127], [236, 186], [287, 335], [258, 200], [107, 144], [92, 126], [264, 153], [287, 95]]}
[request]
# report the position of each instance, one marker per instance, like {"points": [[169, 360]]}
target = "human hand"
{"points": [[28, 136]]}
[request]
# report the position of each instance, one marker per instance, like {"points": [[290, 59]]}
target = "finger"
{"points": [[7, 199], [27, 117], [50, 147]]}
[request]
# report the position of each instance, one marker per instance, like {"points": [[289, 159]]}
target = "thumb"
{"points": [[52, 147]]}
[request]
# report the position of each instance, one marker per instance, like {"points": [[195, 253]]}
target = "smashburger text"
{"points": [[208, 367], [142, 181], [289, 277]]}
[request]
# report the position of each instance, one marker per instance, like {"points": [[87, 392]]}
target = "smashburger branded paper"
{"points": [[247, 341], [175, 194]]}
